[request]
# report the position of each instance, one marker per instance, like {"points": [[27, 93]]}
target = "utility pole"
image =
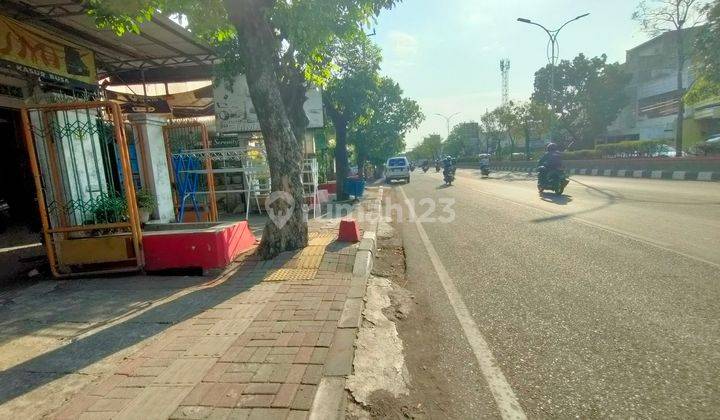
{"points": [[447, 122], [505, 72], [553, 51]]}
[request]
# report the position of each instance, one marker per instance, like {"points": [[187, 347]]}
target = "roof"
{"points": [[155, 55]]}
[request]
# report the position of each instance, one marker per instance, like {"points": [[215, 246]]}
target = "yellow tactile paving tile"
{"points": [[287, 274]]}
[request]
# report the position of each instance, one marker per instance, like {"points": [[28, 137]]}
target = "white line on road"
{"points": [[504, 395]]}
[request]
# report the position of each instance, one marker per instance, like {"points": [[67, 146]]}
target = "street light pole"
{"points": [[447, 122], [554, 48]]}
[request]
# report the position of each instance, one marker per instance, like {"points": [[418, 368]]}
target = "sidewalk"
{"points": [[270, 339]]}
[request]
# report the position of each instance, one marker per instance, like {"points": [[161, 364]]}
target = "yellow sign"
{"points": [[34, 51]]}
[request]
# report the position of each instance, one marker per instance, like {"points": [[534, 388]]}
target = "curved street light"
{"points": [[554, 50], [447, 122]]}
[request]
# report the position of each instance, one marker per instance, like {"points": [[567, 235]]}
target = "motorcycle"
{"points": [[437, 167], [412, 167], [485, 171], [425, 168], [552, 179], [449, 176]]}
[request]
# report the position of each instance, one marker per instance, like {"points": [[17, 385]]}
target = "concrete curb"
{"points": [[331, 398], [624, 173]]}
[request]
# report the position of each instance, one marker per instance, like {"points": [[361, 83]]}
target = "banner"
{"points": [[33, 51], [235, 112]]}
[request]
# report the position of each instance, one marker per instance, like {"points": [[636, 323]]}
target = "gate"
{"points": [[81, 165]]}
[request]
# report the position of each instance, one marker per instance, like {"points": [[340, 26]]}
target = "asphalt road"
{"points": [[602, 303]]}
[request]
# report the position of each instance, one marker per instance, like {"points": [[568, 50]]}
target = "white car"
{"points": [[397, 168]]}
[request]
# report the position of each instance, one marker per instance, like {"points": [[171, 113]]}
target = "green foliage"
{"points": [[703, 89], [707, 46], [638, 148], [708, 148], [462, 140], [146, 200], [583, 154], [381, 133], [588, 95], [355, 78], [428, 149], [307, 30]]}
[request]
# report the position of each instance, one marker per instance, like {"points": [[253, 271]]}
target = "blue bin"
{"points": [[354, 187]]}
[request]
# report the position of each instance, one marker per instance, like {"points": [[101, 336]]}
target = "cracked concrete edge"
{"points": [[331, 398]]}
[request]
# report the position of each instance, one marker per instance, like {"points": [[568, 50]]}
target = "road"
{"points": [[602, 303]]}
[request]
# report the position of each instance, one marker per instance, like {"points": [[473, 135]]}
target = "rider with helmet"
{"points": [[550, 161]]}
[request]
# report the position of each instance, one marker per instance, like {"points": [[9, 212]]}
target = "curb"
{"points": [[626, 173], [331, 398]]}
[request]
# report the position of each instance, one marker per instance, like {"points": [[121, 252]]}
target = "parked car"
{"points": [[714, 139], [663, 150], [397, 168]]}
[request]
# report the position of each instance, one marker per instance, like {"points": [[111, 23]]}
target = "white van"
{"points": [[397, 168]]}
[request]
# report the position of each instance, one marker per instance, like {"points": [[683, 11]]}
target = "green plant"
{"points": [[145, 200], [109, 209]]}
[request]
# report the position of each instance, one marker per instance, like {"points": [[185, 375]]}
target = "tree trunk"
{"points": [[361, 159], [527, 141], [258, 46], [341, 158], [681, 102]]}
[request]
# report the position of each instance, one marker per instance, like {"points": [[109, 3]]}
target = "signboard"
{"points": [[235, 113], [140, 104], [33, 51]]}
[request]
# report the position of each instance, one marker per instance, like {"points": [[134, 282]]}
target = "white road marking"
{"points": [[16, 248], [504, 395]]}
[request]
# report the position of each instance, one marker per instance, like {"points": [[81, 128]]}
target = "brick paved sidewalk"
{"points": [[260, 354]]}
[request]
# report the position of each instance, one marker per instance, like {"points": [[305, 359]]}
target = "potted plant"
{"points": [[146, 204]]}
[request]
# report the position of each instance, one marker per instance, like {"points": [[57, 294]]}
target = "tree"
{"points": [[493, 130], [707, 45], [707, 58], [279, 46], [348, 94], [589, 95], [428, 149], [462, 140], [534, 119], [660, 16], [382, 133]]}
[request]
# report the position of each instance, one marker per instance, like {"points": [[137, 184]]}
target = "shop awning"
{"points": [[163, 52]]}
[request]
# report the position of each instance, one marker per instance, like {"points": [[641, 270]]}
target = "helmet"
{"points": [[552, 147]]}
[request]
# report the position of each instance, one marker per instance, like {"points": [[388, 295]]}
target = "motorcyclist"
{"points": [[550, 161], [485, 164], [448, 169]]}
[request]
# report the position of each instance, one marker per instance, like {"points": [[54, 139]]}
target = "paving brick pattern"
{"points": [[259, 354]]}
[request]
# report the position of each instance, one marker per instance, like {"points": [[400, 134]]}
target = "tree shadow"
{"points": [[87, 350]]}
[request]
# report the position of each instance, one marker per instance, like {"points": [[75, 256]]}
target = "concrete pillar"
{"points": [[156, 175]]}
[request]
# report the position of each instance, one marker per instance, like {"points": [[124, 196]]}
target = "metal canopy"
{"points": [[161, 49]]}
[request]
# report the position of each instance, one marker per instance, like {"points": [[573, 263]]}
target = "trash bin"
{"points": [[354, 187]]}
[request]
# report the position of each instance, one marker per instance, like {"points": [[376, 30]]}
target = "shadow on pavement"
{"points": [[562, 200], [610, 199], [85, 351]]}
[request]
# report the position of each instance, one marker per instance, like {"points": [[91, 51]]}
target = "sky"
{"points": [[446, 53]]}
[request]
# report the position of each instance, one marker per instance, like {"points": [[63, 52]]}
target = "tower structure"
{"points": [[505, 72]]}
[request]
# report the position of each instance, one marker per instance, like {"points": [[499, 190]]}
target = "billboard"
{"points": [[235, 113], [33, 51]]}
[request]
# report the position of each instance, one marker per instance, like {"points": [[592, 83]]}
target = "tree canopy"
{"points": [[381, 133], [588, 96], [280, 46]]}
